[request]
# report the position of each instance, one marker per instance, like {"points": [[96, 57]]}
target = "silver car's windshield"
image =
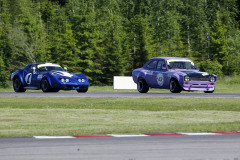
{"points": [[181, 64]]}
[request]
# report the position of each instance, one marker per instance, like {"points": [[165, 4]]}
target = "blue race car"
{"points": [[50, 77]]}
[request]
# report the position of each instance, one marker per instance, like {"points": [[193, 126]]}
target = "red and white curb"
{"points": [[140, 135]]}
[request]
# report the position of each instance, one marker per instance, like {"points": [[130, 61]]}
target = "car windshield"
{"points": [[50, 68], [181, 64]]}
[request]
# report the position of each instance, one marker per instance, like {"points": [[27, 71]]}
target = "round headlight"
{"points": [[79, 80], [67, 80], [83, 80], [186, 78], [62, 80], [212, 79]]}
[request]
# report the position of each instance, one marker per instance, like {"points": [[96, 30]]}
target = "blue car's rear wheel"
{"points": [[17, 85], [46, 87], [142, 86]]}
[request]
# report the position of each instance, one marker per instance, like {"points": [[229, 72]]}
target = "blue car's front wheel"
{"points": [[83, 89], [46, 86]]}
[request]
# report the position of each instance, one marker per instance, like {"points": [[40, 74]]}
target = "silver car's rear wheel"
{"points": [[142, 86]]}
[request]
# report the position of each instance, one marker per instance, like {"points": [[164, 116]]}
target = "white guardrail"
{"points": [[124, 82]]}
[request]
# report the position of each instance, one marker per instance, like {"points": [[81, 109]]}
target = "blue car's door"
{"points": [[31, 76], [35, 77]]}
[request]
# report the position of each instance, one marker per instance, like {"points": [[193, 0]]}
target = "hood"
{"points": [[197, 74], [62, 74]]}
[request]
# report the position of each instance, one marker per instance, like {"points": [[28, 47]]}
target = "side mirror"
{"points": [[65, 68], [34, 70]]}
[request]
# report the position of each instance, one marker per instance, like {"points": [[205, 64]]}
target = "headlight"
{"points": [[81, 80], [186, 78], [64, 80], [212, 79]]}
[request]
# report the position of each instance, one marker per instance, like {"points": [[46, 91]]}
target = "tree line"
{"points": [[104, 38]]}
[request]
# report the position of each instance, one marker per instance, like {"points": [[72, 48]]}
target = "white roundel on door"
{"points": [[28, 78], [160, 79]]}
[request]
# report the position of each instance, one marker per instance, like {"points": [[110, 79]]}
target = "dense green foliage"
{"points": [[103, 38]]}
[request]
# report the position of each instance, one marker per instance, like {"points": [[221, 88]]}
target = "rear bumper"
{"points": [[199, 86]]}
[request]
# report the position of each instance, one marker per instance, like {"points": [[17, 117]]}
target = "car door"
{"points": [[160, 75], [31, 76], [150, 71], [35, 75]]}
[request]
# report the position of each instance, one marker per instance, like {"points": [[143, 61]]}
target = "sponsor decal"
{"points": [[28, 78], [65, 74], [160, 79], [39, 76], [149, 72]]}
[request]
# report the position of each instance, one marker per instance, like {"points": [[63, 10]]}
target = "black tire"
{"points": [[45, 86], [174, 86], [208, 91], [17, 85], [83, 89], [142, 86]]}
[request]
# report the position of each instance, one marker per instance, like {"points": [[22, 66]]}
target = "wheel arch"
{"points": [[177, 78], [49, 80], [20, 77], [141, 78]]}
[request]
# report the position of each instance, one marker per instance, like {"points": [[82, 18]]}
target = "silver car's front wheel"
{"points": [[174, 86]]}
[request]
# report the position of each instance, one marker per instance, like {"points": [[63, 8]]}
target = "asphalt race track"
{"points": [[217, 147], [121, 94], [179, 147]]}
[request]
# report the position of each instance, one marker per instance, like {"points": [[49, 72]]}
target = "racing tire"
{"points": [[83, 90], [17, 85], [45, 86], [142, 86], [174, 86], [208, 91]]}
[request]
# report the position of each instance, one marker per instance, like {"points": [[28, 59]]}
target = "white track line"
{"points": [[52, 137], [198, 134], [127, 135]]}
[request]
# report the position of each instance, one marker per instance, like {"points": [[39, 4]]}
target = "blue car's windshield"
{"points": [[50, 68], [179, 64]]}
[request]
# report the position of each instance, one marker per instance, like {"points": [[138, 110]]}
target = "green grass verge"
{"points": [[68, 116]]}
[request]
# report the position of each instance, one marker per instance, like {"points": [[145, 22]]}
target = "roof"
{"points": [[168, 58], [44, 63]]}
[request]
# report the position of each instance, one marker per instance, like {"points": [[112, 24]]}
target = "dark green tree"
{"points": [[218, 46]]}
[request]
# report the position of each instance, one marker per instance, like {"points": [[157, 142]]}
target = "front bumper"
{"points": [[70, 86], [199, 86]]}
